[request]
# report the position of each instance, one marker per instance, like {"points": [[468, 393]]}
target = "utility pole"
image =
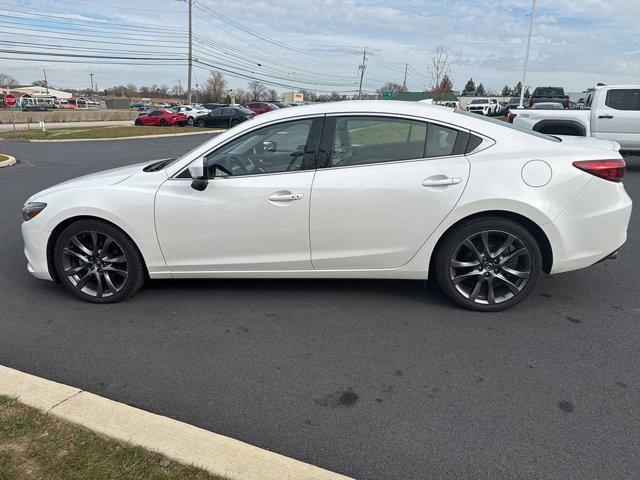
{"points": [[46, 84], [361, 68], [91, 76], [526, 56], [404, 82], [190, 51]]}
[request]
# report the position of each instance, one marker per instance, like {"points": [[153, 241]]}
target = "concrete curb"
{"points": [[178, 441], [215, 130], [9, 161]]}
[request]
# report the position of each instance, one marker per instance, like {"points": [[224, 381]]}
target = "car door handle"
{"points": [[440, 182], [605, 116], [285, 197]]}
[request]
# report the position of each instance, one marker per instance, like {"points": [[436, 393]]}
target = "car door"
{"points": [[254, 213], [154, 118], [215, 118], [382, 187], [617, 117]]}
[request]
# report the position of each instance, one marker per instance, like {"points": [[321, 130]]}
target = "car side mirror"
{"points": [[199, 180], [269, 146]]}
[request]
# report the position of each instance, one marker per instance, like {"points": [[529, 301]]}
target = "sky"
{"points": [[318, 44]]}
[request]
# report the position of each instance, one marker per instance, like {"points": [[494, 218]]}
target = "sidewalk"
{"points": [[8, 127], [176, 440]]}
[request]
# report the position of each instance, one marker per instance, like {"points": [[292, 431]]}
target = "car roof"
{"points": [[423, 110]]}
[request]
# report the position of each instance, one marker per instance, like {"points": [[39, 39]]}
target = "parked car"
{"points": [[162, 118], [441, 191], [191, 112], [280, 104], [260, 107], [612, 112], [225, 117], [35, 108], [483, 106], [547, 106], [514, 102], [549, 94], [213, 106]]}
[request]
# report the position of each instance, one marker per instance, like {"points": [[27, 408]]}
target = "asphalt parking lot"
{"points": [[373, 379]]}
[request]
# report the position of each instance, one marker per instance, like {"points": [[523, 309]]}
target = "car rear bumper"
{"points": [[592, 227]]}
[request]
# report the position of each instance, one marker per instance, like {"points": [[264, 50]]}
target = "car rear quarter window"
{"points": [[623, 99]]}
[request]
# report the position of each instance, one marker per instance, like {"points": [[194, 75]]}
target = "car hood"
{"points": [[589, 142], [106, 177]]}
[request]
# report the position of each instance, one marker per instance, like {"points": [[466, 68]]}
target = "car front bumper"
{"points": [[35, 249]]}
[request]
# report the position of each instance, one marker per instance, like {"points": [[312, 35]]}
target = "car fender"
{"points": [[129, 207]]}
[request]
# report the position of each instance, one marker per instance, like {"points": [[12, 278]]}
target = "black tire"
{"points": [[234, 123], [138, 123], [190, 121], [466, 274], [120, 243], [163, 122], [201, 123]]}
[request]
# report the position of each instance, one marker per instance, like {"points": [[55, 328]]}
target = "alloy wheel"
{"points": [[95, 264], [490, 267]]}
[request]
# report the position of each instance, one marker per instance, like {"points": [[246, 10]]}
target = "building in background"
{"points": [[292, 97]]}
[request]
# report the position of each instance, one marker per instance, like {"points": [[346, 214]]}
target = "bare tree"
{"points": [[257, 89], [242, 96], [214, 88], [272, 95], [7, 80], [438, 69], [389, 87], [335, 97]]}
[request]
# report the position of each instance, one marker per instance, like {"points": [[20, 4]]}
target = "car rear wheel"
{"points": [[488, 263], [98, 262], [234, 122], [190, 121], [200, 123], [164, 122]]}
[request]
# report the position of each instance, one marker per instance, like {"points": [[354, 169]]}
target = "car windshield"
{"points": [[504, 124], [479, 101]]}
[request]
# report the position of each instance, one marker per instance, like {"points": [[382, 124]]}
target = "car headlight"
{"points": [[32, 209]]}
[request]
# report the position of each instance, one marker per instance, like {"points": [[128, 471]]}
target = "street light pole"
{"points": [[526, 56], [190, 52], [91, 76]]}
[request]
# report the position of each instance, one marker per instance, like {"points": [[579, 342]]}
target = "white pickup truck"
{"points": [[484, 106], [611, 112]]}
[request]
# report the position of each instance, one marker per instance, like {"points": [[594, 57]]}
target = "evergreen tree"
{"points": [[469, 88], [480, 90]]}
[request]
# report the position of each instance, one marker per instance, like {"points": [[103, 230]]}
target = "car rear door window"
{"points": [[623, 99], [363, 140]]}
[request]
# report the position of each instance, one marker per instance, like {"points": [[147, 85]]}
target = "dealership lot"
{"points": [[373, 379]]}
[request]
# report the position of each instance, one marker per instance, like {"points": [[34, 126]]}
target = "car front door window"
{"points": [[284, 147]]}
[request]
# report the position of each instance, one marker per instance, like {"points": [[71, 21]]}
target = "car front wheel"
{"points": [[190, 121], [98, 262], [488, 263]]}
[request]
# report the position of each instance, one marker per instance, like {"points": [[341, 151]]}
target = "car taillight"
{"points": [[567, 104], [510, 117], [612, 170]]}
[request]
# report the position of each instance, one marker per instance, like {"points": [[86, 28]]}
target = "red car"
{"points": [[162, 118], [260, 107]]}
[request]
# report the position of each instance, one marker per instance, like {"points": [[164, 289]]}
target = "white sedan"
{"points": [[367, 189], [192, 112]]}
